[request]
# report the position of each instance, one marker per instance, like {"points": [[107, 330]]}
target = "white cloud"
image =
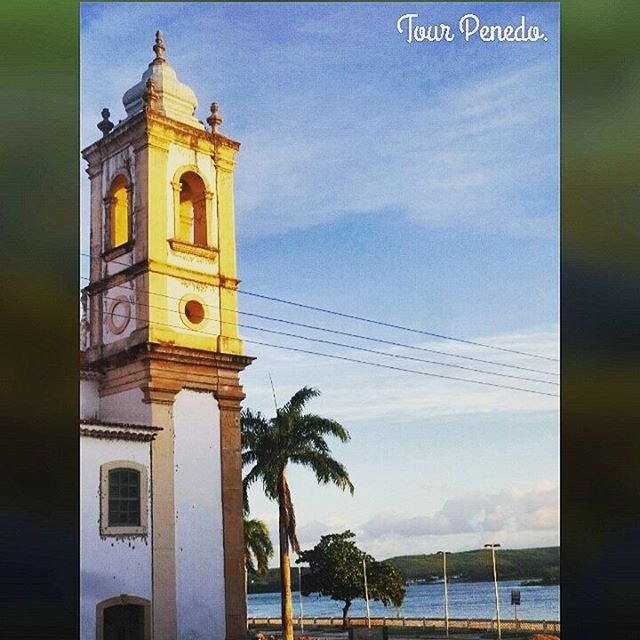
{"points": [[510, 510], [309, 533], [514, 516]]}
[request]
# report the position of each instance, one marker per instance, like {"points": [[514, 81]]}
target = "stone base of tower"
{"points": [[193, 400]]}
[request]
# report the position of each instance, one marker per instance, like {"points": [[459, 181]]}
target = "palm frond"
{"points": [[299, 399], [258, 547], [269, 445], [314, 424], [326, 469]]}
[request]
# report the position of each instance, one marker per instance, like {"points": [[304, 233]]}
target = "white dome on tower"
{"points": [[173, 98]]}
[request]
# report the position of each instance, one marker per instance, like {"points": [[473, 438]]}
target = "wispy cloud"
{"points": [[480, 156], [512, 509], [516, 516], [408, 398]]}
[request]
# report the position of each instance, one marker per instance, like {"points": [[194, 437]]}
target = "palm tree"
{"points": [[268, 446], [257, 546], [257, 550]]}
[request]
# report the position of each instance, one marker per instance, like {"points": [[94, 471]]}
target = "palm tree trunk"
{"points": [[285, 566]]}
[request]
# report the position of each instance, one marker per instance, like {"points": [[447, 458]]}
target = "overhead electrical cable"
{"points": [[380, 323], [386, 366], [393, 326], [359, 336], [357, 348], [365, 362]]}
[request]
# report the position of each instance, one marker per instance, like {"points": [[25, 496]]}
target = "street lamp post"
{"points": [[300, 599], [366, 590], [493, 546], [446, 595]]}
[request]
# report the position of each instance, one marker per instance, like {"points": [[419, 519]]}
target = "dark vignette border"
{"points": [[39, 173], [600, 294]]}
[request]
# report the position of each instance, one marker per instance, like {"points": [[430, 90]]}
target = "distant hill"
{"points": [[475, 566], [538, 565]]}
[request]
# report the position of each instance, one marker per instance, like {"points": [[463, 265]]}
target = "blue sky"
{"points": [[414, 183]]}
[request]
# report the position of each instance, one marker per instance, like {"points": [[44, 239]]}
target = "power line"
{"points": [[395, 344], [361, 337], [395, 355], [386, 366], [393, 326], [357, 348], [365, 362], [390, 325]]}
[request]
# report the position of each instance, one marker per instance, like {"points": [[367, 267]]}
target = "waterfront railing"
{"points": [[474, 624]]}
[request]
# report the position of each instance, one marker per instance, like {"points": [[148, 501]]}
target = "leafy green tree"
{"points": [[268, 447], [335, 570], [550, 575]]}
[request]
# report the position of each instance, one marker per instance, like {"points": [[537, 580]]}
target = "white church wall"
{"points": [[198, 500], [126, 406], [111, 565], [89, 399]]}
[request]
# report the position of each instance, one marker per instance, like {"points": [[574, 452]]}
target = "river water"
{"points": [[466, 600]]}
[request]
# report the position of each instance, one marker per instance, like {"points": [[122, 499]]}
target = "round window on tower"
{"points": [[119, 314], [192, 312]]}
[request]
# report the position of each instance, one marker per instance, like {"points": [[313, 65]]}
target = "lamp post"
{"points": [[446, 596], [493, 546], [300, 598], [366, 590]]}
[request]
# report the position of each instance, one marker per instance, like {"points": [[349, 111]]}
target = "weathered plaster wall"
{"points": [[126, 406], [119, 311], [199, 550], [89, 399], [110, 565]]}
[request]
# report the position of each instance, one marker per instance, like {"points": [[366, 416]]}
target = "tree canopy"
{"points": [[336, 571]]}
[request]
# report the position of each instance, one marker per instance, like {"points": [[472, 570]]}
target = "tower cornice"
{"points": [[162, 370], [153, 127], [113, 141]]}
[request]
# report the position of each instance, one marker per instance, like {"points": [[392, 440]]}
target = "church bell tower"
{"points": [[163, 339]]}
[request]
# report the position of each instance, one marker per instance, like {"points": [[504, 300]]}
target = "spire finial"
{"points": [[105, 125], [159, 47], [215, 119]]}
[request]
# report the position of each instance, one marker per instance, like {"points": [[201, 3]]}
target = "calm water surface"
{"points": [[466, 600]]}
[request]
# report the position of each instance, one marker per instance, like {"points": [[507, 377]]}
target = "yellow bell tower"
{"points": [[162, 232], [163, 338]]}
